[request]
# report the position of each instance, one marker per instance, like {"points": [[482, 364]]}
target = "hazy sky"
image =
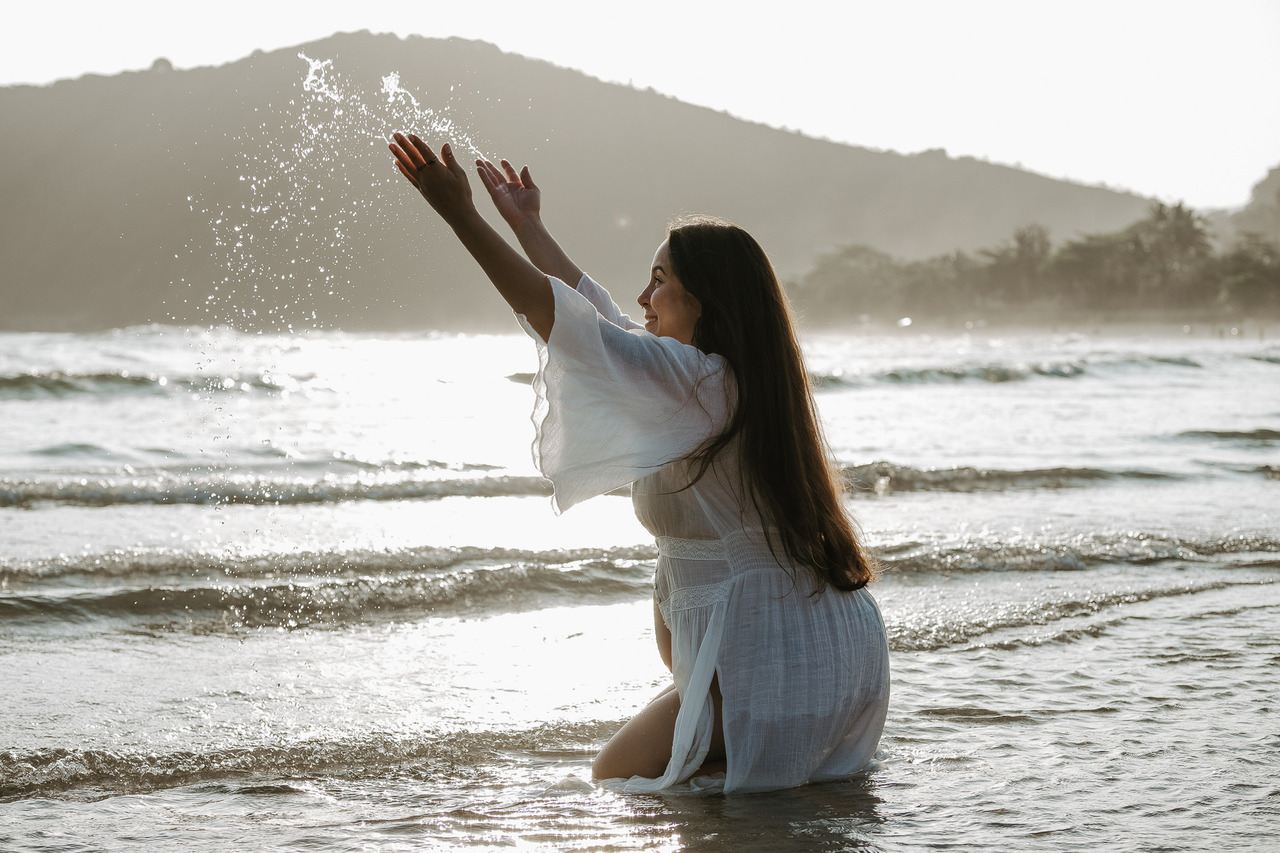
{"points": [[1173, 99]]}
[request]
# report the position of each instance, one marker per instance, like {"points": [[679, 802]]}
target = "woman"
{"points": [[778, 653]]}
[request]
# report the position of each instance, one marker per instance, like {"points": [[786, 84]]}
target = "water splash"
{"points": [[315, 191], [394, 91], [317, 79], [310, 198]]}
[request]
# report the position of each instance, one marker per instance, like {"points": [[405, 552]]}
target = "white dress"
{"points": [[804, 678]]}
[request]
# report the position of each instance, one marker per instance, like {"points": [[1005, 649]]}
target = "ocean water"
{"points": [[306, 592]]}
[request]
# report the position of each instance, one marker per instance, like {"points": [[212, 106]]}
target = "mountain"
{"points": [[261, 193]]}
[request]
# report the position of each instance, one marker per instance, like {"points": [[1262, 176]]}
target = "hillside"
{"points": [[122, 194]]}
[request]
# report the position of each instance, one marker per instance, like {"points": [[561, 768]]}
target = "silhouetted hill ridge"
{"points": [[97, 230]]}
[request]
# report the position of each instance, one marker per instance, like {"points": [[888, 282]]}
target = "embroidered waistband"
{"points": [[691, 597], [690, 549]]}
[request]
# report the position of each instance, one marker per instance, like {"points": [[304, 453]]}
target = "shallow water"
{"points": [[306, 591]]}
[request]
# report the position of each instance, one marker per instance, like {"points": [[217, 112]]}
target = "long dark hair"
{"points": [[746, 319]]}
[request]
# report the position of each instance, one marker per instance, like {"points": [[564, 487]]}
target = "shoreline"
{"points": [[1121, 324]]}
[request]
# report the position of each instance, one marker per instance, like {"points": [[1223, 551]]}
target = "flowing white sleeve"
{"points": [[613, 404], [603, 302]]}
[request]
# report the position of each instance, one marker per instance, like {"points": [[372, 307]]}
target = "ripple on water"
{"points": [[1138, 732]]}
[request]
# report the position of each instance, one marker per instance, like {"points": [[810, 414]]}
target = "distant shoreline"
{"points": [[1126, 324]]}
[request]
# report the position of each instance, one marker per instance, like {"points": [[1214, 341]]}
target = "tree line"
{"points": [[1166, 263]]}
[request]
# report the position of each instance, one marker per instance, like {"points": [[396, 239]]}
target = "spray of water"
{"points": [[313, 186], [314, 178]]}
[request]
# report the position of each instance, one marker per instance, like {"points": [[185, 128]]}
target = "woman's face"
{"points": [[669, 310]]}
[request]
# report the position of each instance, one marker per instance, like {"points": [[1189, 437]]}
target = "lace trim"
{"points": [[690, 549], [692, 597]]}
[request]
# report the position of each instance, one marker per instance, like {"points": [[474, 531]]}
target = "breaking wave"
{"points": [[177, 591], [57, 383], [1016, 372], [229, 488], [882, 478], [430, 755], [424, 481], [1013, 370], [1072, 553], [1252, 436], [939, 628], [211, 593]]}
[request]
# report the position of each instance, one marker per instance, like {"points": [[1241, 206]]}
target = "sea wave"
{"points": [[150, 567], [1076, 552], [940, 628], [161, 565], [1014, 370], [58, 383], [882, 478], [364, 590], [1251, 436], [260, 489], [994, 372], [207, 593], [317, 481], [258, 769]]}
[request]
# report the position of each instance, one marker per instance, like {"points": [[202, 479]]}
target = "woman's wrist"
{"points": [[543, 250], [530, 228], [536, 241], [467, 219]]}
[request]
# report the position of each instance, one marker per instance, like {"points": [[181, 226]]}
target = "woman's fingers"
{"points": [[405, 152], [494, 178], [402, 157], [405, 164], [494, 175], [485, 177], [423, 150], [413, 179], [442, 182], [416, 161], [412, 153], [450, 160]]}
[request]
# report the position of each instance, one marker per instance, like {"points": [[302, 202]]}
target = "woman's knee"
{"points": [[606, 764], [642, 747]]}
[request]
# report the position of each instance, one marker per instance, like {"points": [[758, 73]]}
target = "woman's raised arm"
{"points": [[443, 183], [519, 202]]}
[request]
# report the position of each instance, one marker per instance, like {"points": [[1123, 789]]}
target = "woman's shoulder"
{"points": [[710, 363]]}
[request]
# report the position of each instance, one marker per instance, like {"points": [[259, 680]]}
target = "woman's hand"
{"points": [[516, 197], [442, 182], [519, 202]]}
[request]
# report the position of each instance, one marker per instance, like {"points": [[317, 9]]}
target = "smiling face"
{"points": [[669, 310]]}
